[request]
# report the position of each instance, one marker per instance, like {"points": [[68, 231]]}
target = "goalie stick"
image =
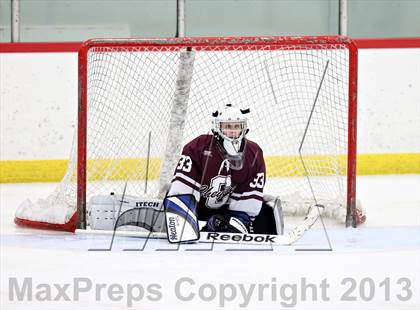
{"points": [[290, 238]]}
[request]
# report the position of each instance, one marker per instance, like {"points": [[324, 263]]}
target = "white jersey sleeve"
{"points": [[248, 196]]}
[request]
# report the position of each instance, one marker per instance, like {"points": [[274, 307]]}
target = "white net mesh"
{"points": [[130, 95]]}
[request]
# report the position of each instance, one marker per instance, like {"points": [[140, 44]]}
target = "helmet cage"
{"points": [[219, 130], [230, 114]]}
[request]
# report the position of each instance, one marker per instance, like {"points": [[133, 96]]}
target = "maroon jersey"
{"points": [[204, 171]]}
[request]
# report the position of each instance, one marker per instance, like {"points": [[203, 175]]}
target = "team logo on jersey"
{"points": [[208, 191], [218, 191]]}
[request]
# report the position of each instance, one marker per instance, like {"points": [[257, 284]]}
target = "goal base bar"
{"points": [[70, 226]]}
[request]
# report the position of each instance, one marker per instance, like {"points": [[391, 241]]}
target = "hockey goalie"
{"points": [[224, 174], [218, 181]]}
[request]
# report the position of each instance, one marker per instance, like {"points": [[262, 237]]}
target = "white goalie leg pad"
{"points": [[181, 218], [104, 210]]}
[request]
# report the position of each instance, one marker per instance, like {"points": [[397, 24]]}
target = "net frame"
{"points": [[227, 44], [59, 213]]}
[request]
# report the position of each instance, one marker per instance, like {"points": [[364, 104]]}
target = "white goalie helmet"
{"points": [[230, 127]]}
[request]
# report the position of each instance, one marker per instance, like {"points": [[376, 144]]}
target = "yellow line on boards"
{"points": [[398, 163], [22, 171]]}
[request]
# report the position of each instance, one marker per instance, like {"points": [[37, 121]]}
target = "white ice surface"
{"points": [[387, 246]]}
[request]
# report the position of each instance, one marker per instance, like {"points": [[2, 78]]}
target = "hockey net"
{"points": [[141, 100]]}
